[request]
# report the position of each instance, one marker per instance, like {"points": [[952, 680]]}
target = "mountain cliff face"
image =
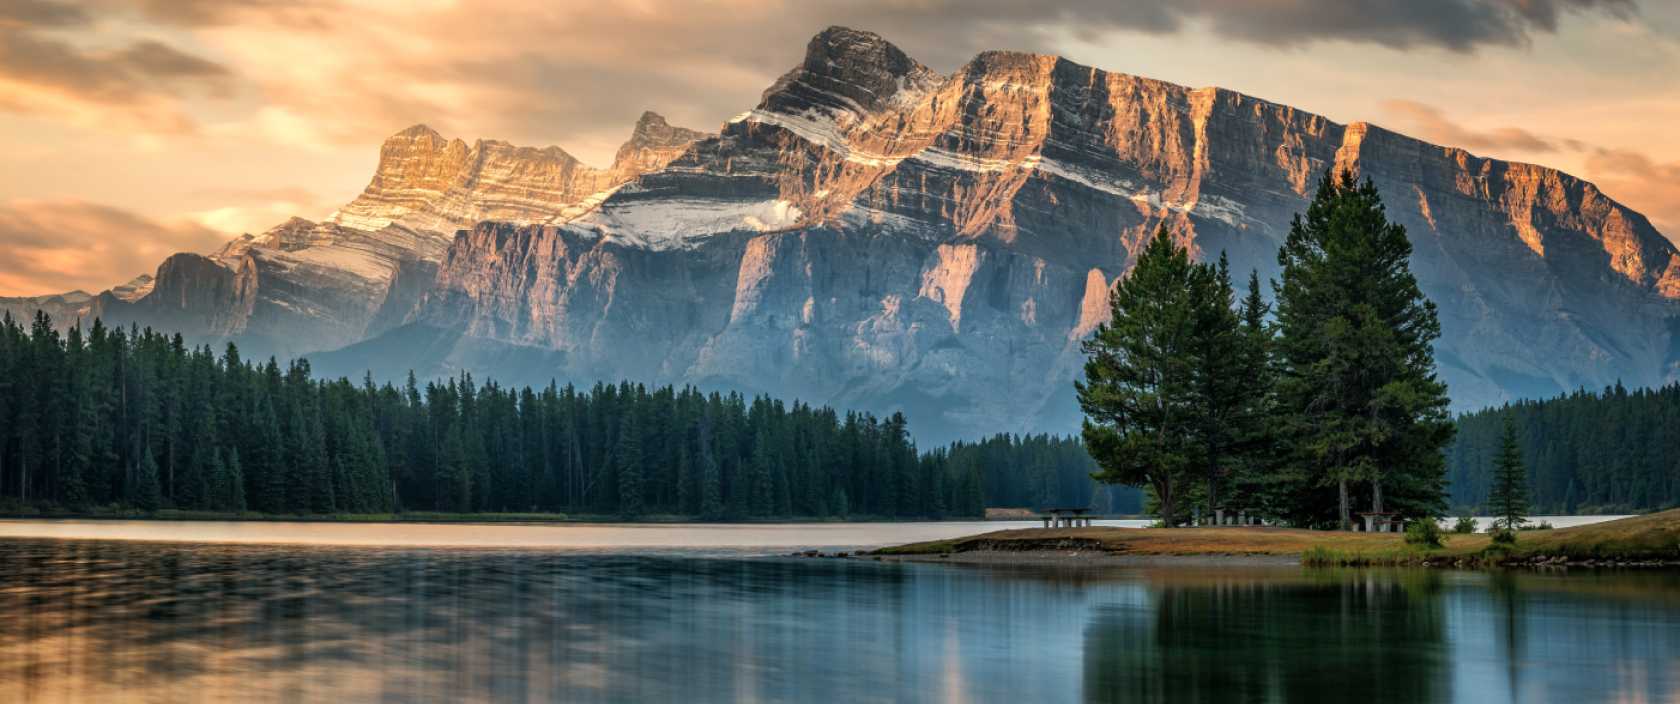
{"points": [[304, 286], [881, 236]]}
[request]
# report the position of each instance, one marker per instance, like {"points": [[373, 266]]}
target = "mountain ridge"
{"points": [[879, 235]]}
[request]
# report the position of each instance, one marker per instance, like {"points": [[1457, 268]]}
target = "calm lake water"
{"points": [[102, 620]]}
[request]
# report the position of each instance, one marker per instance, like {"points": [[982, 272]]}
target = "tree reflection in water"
{"points": [[130, 621], [1327, 637]]}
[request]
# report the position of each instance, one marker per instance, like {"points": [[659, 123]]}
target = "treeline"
{"points": [[136, 419], [1043, 471], [1615, 451]]}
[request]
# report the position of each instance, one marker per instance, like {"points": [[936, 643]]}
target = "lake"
{"points": [[595, 620]]}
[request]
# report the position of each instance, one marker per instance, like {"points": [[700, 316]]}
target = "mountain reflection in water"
{"points": [[124, 621]]}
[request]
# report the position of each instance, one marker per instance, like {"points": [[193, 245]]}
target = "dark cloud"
{"points": [[1427, 122], [518, 69], [1457, 25], [59, 245], [48, 72], [948, 27], [597, 67], [41, 13]]}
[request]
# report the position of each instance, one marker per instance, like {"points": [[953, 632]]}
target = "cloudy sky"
{"points": [[134, 128]]}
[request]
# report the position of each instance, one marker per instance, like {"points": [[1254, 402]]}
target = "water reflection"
{"points": [[1326, 637], [118, 621]]}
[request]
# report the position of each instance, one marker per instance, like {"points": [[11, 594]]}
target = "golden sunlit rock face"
{"points": [[876, 234]]}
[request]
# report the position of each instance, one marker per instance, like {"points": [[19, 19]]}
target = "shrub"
{"points": [[1504, 536], [1424, 533], [1540, 526], [1496, 553], [1464, 524]]}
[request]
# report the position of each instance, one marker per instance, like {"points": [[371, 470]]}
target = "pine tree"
{"points": [[458, 477], [627, 460], [148, 494], [269, 478], [1257, 487], [232, 485], [1508, 500], [761, 487], [1222, 393], [1140, 379], [1358, 398]]}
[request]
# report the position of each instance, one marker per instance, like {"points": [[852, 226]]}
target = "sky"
{"points": [[131, 129]]}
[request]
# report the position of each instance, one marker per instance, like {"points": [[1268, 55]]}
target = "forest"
{"points": [[137, 420], [1614, 451]]}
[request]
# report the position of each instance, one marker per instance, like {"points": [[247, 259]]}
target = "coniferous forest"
{"points": [[1614, 451], [135, 419]]}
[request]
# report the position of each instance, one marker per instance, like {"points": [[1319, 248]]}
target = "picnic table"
{"points": [[1066, 517]]}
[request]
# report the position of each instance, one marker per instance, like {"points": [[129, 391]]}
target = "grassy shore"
{"points": [[1649, 539]]}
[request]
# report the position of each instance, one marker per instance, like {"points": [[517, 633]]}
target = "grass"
{"points": [[1653, 538], [1158, 541]]}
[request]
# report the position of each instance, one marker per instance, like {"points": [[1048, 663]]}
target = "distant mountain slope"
{"points": [[876, 235], [304, 286]]}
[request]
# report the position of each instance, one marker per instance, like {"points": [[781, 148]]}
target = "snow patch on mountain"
{"points": [[675, 222]]}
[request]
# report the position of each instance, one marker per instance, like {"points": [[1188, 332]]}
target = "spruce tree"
{"points": [[1222, 393], [1139, 389], [627, 461], [232, 488], [457, 477], [1358, 398], [1508, 495], [1257, 486], [761, 488], [148, 493]]}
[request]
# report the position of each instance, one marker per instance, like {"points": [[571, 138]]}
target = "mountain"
{"points": [[305, 286], [66, 308], [877, 235]]}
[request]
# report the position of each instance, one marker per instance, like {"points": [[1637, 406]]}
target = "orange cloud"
{"points": [[50, 246], [337, 72], [1650, 186], [142, 79], [1427, 122]]}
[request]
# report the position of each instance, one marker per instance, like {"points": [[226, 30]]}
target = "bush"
{"points": [[1504, 536], [1540, 526], [1464, 524], [1495, 553], [1424, 533]]}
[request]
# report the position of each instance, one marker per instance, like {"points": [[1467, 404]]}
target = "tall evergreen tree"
{"points": [[148, 493], [627, 459], [1258, 486], [1141, 377], [1357, 391], [1508, 500], [1223, 395], [761, 487]]}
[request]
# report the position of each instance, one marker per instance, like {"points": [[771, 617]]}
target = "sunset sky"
{"points": [[130, 129]]}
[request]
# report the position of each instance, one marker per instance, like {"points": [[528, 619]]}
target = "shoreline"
{"points": [[1649, 541], [444, 518], [1086, 558]]}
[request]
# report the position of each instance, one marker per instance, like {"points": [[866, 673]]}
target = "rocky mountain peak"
{"points": [[652, 144], [847, 70], [433, 186]]}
